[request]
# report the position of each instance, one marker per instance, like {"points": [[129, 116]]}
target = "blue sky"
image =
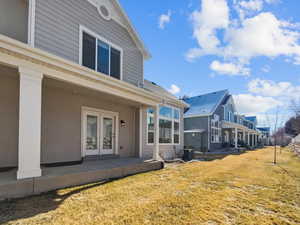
{"points": [[251, 47]]}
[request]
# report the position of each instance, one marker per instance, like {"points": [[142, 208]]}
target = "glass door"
{"points": [[108, 135], [92, 134]]}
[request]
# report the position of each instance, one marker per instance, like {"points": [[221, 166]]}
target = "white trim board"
{"points": [[15, 53], [31, 22]]}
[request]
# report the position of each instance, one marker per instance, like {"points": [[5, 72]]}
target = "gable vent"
{"points": [[104, 12]]}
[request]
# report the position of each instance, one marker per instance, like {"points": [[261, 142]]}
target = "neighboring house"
{"points": [[265, 135], [72, 85], [212, 123]]}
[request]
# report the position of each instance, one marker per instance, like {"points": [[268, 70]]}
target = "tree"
{"points": [[292, 126], [295, 106]]}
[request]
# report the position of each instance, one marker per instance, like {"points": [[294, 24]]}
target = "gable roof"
{"points": [[205, 104], [127, 24], [251, 118]]}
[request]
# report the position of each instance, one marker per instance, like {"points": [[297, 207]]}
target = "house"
{"points": [[72, 88], [212, 123], [265, 135]]}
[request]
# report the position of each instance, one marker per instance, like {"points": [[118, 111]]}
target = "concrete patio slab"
{"points": [[67, 176]]}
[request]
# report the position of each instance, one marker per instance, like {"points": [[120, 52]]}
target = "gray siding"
{"points": [[13, 19], [61, 121], [220, 112], [57, 31], [197, 123], [9, 117]]}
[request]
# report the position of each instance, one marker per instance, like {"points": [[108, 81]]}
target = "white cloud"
{"points": [[164, 19], [282, 90], [250, 104], [229, 69], [174, 89], [272, 1], [297, 60], [214, 15], [260, 35], [254, 5], [266, 69]]}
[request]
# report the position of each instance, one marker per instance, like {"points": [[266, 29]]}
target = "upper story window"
{"points": [[100, 55]]}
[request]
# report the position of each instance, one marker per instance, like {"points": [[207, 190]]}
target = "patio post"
{"points": [[236, 138], [156, 133], [30, 107], [141, 109]]}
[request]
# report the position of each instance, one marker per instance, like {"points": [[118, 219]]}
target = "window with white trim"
{"points": [[169, 125], [101, 56], [150, 126], [215, 129]]}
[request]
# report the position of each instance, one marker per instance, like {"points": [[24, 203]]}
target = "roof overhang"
{"points": [[195, 131], [230, 125], [17, 54], [132, 31], [197, 115]]}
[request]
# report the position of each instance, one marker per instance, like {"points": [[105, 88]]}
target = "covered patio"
{"points": [[67, 176], [236, 133]]}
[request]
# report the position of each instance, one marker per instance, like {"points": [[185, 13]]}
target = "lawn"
{"points": [[241, 189]]}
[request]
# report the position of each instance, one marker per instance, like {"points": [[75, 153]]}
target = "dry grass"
{"points": [[244, 189]]}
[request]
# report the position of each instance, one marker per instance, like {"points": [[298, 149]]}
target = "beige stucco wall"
{"points": [[9, 116], [13, 19], [61, 128]]}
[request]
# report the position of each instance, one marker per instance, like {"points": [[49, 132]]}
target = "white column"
{"points": [[244, 136], [236, 138], [141, 109], [248, 139], [30, 107], [156, 133]]}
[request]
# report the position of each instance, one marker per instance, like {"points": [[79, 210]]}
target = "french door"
{"points": [[99, 133]]}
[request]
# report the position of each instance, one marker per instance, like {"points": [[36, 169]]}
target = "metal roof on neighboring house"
{"points": [[205, 104], [251, 118], [264, 129]]}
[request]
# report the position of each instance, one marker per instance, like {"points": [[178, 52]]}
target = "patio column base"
{"points": [[28, 174]]}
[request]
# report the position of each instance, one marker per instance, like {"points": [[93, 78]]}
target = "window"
{"points": [[101, 56], [88, 51], [115, 65], [165, 131], [150, 126], [215, 129], [169, 125]]}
